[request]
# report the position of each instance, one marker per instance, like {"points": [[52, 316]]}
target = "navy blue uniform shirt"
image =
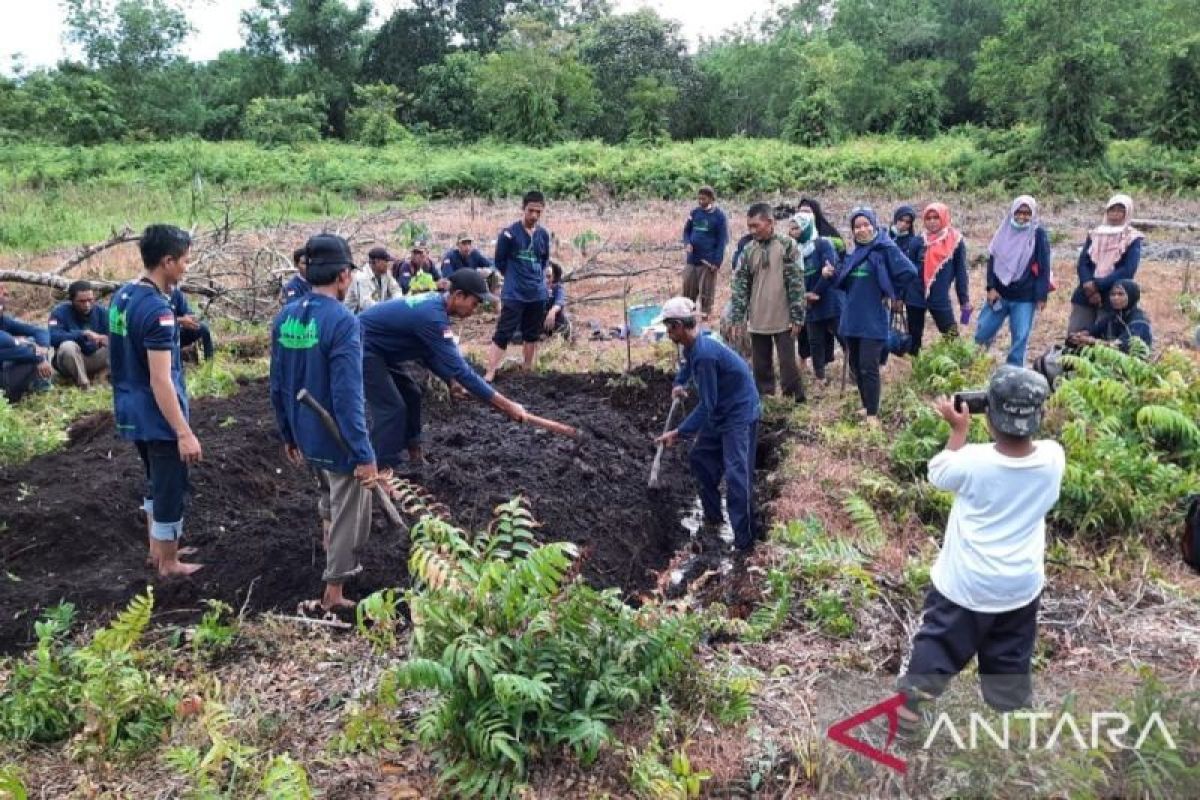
{"points": [[708, 234], [316, 345], [728, 396], [66, 326], [522, 260], [141, 319], [418, 328], [453, 260]]}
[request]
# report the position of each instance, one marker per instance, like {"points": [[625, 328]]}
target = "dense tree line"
{"points": [[1061, 77]]}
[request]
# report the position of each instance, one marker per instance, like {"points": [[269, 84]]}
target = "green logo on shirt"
{"points": [[295, 335], [118, 321]]}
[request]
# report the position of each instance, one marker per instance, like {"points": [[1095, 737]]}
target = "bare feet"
{"points": [[177, 569], [169, 564]]}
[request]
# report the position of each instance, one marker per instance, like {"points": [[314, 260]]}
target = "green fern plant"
{"points": [[11, 785], [285, 779], [865, 520], [378, 617], [102, 691], [520, 656]]}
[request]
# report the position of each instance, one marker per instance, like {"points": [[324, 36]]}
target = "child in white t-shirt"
{"points": [[988, 578]]}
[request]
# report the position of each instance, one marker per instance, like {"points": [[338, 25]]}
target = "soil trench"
{"points": [[71, 528]]}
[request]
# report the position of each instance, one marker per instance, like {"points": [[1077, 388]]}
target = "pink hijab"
{"points": [[1109, 242]]}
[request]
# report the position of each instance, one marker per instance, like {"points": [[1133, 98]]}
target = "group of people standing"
{"points": [[797, 294]]}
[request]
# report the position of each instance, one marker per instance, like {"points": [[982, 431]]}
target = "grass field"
{"points": [[57, 196]]}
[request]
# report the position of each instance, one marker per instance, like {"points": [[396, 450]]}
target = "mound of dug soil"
{"points": [[70, 528]]}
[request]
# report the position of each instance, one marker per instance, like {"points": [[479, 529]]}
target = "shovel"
{"points": [[653, 484], [385, 501]]}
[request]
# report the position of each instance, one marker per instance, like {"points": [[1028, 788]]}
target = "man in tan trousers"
{"points": [[79, 335], [768, 300]]}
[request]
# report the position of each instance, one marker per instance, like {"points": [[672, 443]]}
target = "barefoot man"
{"points": [[149, 399], [316, 345]]}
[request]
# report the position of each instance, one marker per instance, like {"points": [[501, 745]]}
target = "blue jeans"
{"points": [[730, 454], [1020, 323]]}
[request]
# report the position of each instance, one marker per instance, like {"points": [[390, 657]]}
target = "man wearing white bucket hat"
{"points": [[724, 423]]}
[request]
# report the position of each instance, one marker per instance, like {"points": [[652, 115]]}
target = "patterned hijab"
{"points": [[1109, 242]]}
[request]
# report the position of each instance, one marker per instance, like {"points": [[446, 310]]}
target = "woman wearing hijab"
{"points": [[824, 303], [1018, 278], [1111, 253], [903, 230], [940, 255], [825, 228], [1126, 321], [875, 271]]}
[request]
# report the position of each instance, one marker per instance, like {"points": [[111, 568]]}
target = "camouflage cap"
{"points": [[1015, 399]]}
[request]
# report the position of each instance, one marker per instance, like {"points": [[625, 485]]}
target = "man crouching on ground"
{"points": [[988, 577], [150, 401], [725, 423], [316, 345]]}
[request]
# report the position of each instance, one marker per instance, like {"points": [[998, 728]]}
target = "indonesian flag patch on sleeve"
{"points": [[167, 320]]}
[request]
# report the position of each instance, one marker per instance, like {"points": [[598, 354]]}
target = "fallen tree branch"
{"points": [[52, 281], [120, 237], [1151, 224]]}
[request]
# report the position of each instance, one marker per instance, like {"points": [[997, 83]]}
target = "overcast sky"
{"points": [[34, 29]]}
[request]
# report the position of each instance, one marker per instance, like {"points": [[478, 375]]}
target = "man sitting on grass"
{"points": [[988, 578], [24, 356], [79, 334]]}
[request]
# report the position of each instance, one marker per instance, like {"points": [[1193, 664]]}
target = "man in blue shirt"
{"points": [[316, 345], [24, 356], [191, 329], [705, 236], [79, 335], [411, 269], [724, 423], [149, 398], [418, 329], [298, 286], [464, 255], [522, 255]]}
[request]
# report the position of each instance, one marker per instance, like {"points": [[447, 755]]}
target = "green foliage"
{"points": [[522, 658], [1071, 109], [378, 618], [769, 618], [11, 785], [221, 764], [652, 776], [372, 120], [283, 120], [285, 779], [1177, 109], [100, 691], [38, 424], [865, 519], [529, 96], [1129, 430], [216, 631]]}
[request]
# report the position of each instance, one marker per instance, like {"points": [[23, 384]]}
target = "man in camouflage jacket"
{"points": [[768, 300]]}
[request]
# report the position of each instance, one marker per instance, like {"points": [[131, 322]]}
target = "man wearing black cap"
{"points": [[418, 329], [373, 283], [316, 345]]}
